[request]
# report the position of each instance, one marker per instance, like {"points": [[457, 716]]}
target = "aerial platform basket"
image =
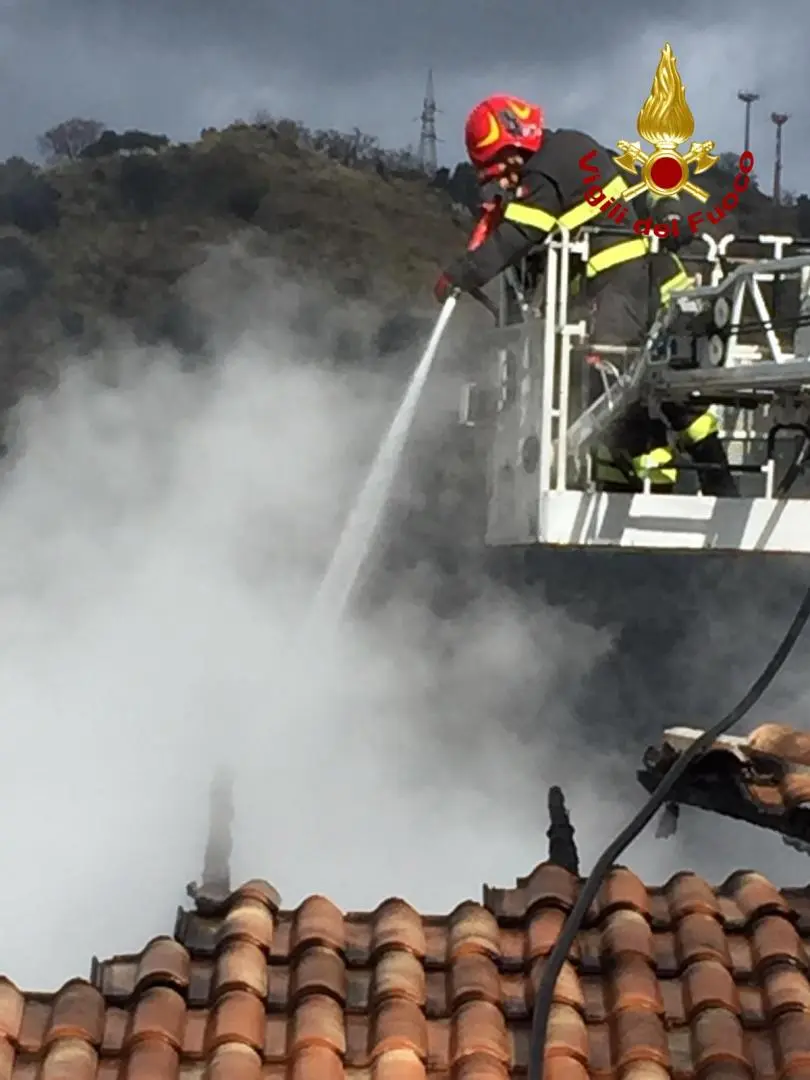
{"points": [[738, 342]]}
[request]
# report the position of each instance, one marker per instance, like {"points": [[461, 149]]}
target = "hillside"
{"points": [[111, 237]]}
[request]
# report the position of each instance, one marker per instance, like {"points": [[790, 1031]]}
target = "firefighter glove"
{"points": [[444, 287], [460, 275]]}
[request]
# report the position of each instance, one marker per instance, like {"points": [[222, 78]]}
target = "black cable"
{"points": [[559, 954]]}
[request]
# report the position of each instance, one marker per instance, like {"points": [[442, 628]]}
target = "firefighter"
{"points": [[531, 182], [640, 435]]}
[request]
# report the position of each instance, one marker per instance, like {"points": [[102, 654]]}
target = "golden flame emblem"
{"points": [[666, 122]]}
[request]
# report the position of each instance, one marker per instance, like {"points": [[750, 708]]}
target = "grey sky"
{"points": [[179, 67]]}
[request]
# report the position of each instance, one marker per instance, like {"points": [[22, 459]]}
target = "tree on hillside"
{"points": [[131, 141], [16, 171], [729, 164], [65, 141], [403, 162], [285, 128]]}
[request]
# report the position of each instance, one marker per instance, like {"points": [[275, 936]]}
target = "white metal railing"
{"points": [[543, 338]]}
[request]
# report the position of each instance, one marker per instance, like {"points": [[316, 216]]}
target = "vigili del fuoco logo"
{"points": [[666, 123]]}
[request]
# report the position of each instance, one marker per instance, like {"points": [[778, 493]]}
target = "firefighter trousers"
{"points": [[638, 448]]}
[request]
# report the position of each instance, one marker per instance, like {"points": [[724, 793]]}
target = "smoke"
{"points": [[163, 533]]}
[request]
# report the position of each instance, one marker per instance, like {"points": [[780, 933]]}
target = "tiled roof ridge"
{"points": [[255, 889], [262, 892], [675, 979], [663, 982], [763, 898]]}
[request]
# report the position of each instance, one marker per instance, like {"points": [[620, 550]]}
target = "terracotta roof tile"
{"points": [[667, 983]]}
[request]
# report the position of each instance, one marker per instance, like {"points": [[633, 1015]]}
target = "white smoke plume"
{"points": [[161, 535]]}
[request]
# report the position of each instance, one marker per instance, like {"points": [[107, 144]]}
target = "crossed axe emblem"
{"points": [[699, 155]]}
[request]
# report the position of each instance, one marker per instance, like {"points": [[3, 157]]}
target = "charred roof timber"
{"points": [[562, 848], [215, 887], [762, 779]]}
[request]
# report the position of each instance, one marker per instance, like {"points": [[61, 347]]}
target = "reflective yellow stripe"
{"points": [[655, 466], [529, 215], [647, 466], [572, 219], [700, 429], [678, 281], [584, 212], [681, 279], [609, 474], [619, 253]]}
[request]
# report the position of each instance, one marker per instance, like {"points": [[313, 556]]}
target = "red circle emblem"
{"points": [[667, 172]]}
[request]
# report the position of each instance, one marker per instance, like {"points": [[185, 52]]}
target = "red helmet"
{"points": [[499, 124]]}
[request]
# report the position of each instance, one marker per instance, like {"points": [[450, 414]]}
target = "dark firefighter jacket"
{"points": [[553, 193], [664, 268], [668, 271], [554, 184]]}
